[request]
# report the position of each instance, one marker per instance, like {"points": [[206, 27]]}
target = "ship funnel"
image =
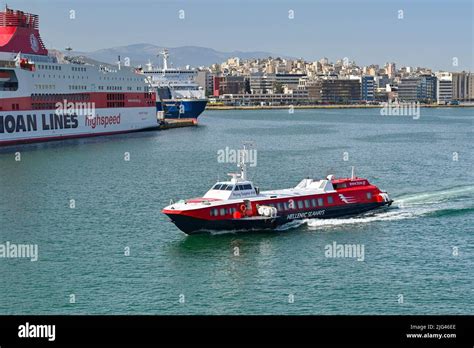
{"points": [[19, 31]]}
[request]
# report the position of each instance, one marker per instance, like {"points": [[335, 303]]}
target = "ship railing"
{"points": [[10, 18]]}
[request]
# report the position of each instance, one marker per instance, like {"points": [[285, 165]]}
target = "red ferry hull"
{"points": [[193, 225]]}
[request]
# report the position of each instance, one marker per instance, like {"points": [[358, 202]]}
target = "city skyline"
{"points": [[369, 34]]}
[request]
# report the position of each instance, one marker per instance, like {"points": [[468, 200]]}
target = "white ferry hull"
{"points": [[28, 126]]}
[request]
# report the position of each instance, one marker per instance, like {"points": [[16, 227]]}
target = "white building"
{"points": [[444, 87]]}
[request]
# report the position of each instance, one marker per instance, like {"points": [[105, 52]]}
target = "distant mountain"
{"points": [[194, 56]]}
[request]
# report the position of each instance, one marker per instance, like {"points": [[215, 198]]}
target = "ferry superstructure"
{"points": [[238, 205], [178, 94], [43, 99]]}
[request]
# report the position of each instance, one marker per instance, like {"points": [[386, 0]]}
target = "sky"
{"points": [[432, 33]]}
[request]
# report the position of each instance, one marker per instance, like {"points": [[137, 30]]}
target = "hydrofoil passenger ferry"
{"points": [[239, 205]]}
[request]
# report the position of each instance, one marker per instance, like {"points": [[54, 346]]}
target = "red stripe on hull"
{"points": [[301, 203], [100, 100]]}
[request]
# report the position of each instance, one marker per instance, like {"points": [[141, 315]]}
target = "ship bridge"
{"points": [[232, 190]]}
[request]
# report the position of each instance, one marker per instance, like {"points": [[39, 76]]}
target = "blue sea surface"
{"points": [[418, 254]]}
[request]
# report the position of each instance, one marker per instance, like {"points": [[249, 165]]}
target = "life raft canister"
{"points": [[237, 215]]}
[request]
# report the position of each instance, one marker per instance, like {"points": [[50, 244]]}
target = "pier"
{"points": [[177, 123]]}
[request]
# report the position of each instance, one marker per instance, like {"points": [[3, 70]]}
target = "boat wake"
{"points": [[391, 215], [435, 197], [448, 202], [291, 225]]}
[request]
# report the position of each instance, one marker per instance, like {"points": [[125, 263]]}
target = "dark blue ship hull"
{"points": [[186, 108]]}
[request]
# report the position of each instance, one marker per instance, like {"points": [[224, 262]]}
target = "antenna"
{"points": [[243, 156], [119, 62], [353, 173], [242, 165]]}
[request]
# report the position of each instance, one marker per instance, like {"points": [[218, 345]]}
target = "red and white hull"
{"points": [[194, 222], [239, 205]]}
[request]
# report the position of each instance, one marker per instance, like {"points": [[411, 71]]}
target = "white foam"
{"points": [[391, 215], [290, 225], [434, 197]]}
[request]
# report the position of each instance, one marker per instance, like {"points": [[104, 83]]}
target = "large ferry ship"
{"points": [[42, 98], [178, 94], [239, 205]]}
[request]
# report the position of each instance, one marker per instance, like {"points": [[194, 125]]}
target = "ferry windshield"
{"points": [[223, 187]]}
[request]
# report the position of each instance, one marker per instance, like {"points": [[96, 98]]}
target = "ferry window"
{"points": [[248, 187], [285, 205], [306, 203], [233, 210], [216, 186], [300, 204], [314, 203], [279, 206], [223, 187], [330, 200], [223, 211], [320, 202], [230, 187], [214, 212], [239, 187], [11, 83], [369, 195]]}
